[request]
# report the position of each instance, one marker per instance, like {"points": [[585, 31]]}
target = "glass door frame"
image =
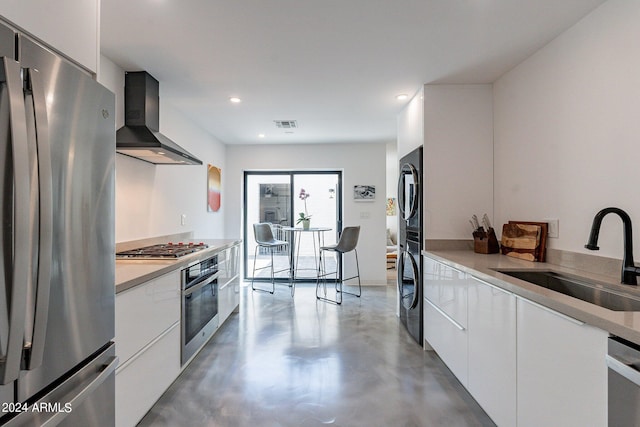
{"points": [[291, 173]]}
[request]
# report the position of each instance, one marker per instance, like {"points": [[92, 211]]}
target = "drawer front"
{"points": [[141, 382], [449, 339], [145, 312], [446, 287]]}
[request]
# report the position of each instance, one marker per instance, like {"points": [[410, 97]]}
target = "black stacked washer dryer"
{"points": [[410, 239]]}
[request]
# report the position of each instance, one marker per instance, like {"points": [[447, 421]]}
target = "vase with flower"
{"points": [[303, 217]]}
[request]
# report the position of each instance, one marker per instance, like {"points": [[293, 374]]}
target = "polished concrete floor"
{"points": [[296, 362]]}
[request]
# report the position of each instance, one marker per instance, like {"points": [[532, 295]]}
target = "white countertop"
{"points": [[621, 323], [132, 272]]}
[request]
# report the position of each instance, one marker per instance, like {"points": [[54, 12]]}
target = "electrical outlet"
{"points": [[553, 229], [365, 215], [183, 219]]}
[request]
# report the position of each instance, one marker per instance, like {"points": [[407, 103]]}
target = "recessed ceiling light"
{"points": [[402, 97], [261, 135], [235, 100]]}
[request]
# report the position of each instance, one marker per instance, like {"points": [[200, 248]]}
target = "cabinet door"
{"points": [[561, 369], [446, 288], [228, 265], [141, 381], [445, 315], [492, 350], [36, 17], [448, 338], [144, 312], [229, 282]]}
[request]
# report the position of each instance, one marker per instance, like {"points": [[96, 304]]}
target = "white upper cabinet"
{"points": [[69, 26]]}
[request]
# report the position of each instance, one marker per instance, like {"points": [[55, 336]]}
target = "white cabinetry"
{"points": [[492, 350], [562, 375], [77, 37], [148, 345], [445, 315], [525, 364], [228, 282]]}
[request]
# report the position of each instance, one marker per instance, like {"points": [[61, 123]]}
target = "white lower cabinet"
{"points": [[146, 376], [445, 315], [148, 345], [492, 350], [525, 364], [562, 373], [229, 282]]}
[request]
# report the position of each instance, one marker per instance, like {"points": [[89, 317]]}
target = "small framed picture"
{"points": [[364, 193]]}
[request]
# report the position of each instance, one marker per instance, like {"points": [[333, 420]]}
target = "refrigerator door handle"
{"points": [[35, 417], [45, 238], [109, 369], [13, 336]]}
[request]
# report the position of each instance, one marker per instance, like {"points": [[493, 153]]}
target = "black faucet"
{"points": [[629, 270]]}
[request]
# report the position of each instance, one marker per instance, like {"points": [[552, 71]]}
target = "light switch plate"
{"points": [[553, 229]]}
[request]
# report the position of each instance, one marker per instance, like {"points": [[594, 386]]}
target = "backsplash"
{"points": [[133, 244], [593, 264]]}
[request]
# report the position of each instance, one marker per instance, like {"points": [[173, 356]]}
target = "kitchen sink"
{"points": [[578, 287]]}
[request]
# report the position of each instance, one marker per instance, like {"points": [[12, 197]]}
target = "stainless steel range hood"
{"points": [[140, 136]]}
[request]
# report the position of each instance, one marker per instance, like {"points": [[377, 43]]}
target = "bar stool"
{"points": [[347, 243], [264, 239]]}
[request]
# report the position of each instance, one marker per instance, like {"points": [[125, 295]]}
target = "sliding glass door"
{"points": [[279, 198]]}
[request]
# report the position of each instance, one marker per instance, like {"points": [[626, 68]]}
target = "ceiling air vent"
{"points": [[286, 124]]}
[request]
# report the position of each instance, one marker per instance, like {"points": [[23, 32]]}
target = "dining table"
{"points": [[317, 237]]}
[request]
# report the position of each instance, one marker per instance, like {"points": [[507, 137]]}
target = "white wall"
{"points": [[567, 130], [150, 199], [458, 158], [392, 183], [411, 125], [454, 123], [360, 164]]}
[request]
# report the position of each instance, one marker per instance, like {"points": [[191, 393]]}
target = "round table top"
{"points": [[300, 229]]}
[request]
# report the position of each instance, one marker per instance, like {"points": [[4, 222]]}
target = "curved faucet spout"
{"points": [[629, 270]]}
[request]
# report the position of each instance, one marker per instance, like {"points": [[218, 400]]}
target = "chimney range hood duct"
{"points": [[139, 137]]}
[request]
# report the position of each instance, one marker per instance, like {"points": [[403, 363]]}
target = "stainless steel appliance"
{"points": [[623, 361], [410, 242], [199, 305], [57, 149], [140, 137], [162, 251]]}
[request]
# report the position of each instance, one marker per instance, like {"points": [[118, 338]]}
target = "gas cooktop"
{"points": [[163, 251]]}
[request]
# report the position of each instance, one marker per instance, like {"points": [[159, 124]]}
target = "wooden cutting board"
{"points": [[521, 241], [541, 255]]}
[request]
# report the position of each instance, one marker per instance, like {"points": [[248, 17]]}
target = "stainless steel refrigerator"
{"points": [[57, 156]]}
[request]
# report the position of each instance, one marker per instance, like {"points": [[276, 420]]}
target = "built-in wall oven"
{"points": [[199, 305]]}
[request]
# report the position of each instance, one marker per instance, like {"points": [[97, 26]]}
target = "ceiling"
{"points": [[334, 66]]}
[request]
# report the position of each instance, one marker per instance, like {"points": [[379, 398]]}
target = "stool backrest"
{"points": [[262, 232], [348, 239]]}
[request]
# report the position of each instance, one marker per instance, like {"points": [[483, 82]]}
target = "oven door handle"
{"points": [[197, 286]]}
